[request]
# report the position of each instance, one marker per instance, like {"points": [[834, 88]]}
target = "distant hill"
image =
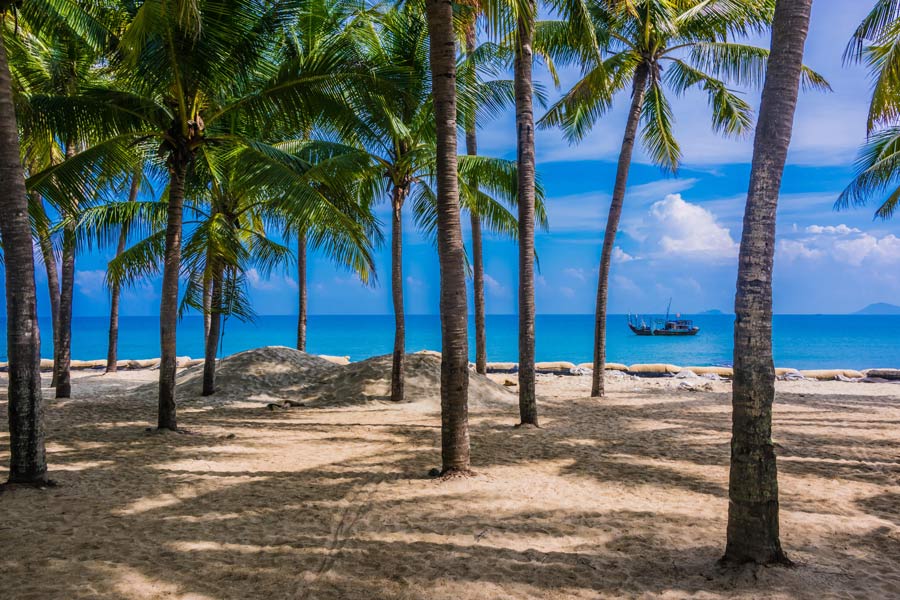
{"points": [[712, 311], [879, 308]]}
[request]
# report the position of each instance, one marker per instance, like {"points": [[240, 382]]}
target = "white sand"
{"points": [[620, 498]]}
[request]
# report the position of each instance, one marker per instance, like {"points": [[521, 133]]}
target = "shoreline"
{"points": [[563, 368]]}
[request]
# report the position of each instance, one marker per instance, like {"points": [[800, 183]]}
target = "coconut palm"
{"points": [[651, 49], [321, 25], [188, 71], [516, 21], [874, 44], [483, 96], [27, 453], [753, 484], [60, 64], [112, 348], [454, 309], [28, 463], [397, 131]]}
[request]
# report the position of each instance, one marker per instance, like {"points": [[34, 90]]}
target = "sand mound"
{"points": [[370, 380], [265, 374], [276, 374]]}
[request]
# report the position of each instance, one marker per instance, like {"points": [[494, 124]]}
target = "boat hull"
{"points": [[670, 333], [642, 331]]}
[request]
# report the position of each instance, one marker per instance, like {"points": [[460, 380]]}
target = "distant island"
{"points": [[712, 311], [879, 308]]}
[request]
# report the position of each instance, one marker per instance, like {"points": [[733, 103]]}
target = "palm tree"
{"points": [[112, 352], [28, 463], [187, 73], [454, 309], [874, 43], [753, 483], [517, 19], [651, 45], [396, 129], [58, 63], [483, 95]]}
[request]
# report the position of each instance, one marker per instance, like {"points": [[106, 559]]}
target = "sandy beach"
{"points": [[624, 497]]}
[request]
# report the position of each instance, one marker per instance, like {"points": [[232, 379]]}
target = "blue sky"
{"points": [[679, 234]]}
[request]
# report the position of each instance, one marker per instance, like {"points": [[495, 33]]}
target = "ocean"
{"points": [[800, 341]]}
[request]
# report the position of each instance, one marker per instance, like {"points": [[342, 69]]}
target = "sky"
{"points": [[679, 234]]}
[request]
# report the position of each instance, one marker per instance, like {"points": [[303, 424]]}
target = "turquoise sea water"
{"points": [[801, 341]]}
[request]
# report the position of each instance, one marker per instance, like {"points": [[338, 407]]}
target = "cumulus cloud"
{"points": [[792, 250], [681, 229], [831, 229], [494, 287], [91, 283], [620, 256], [271, 283], [575, 273], [867, 248]]}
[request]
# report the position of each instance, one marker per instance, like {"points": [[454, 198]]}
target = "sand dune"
{"points": [[620, 498]]}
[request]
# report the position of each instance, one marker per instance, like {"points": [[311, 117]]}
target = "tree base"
{"points": [[774, 559], [39, 484], [452, 473], [526, 426], [164, 430]]}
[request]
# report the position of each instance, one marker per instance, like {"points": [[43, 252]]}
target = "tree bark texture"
{"points": [[753, 534], [399, 358]]}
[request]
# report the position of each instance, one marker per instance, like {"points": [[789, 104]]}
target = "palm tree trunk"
{"points": [[454, 308], [399, 358], [207, 304], [638, 91], [63, 351], [752, 534], [112, 353], [212, 339], [49, 258], [524, 91], [168, 309], [28, 461], [477, 251], [301, 291]]}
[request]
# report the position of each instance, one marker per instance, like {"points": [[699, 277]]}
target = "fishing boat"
{"points": [[664, 327]]}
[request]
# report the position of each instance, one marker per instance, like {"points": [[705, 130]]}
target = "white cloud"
{"points": [[588, 211], [831, 229], [792, 250], [868, 248], [494, 287], [680, 228], [271, 283], [575, 273], [91, 283], [620, 256]]}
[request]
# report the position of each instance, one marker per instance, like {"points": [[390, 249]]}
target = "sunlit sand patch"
{"points": [[134, 585], [183, 493], [82, 465]]}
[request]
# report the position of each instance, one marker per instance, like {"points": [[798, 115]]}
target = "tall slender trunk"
{"points": [[475, 219], [524, 91], [399, 358], [52, 269], [168, 308], [454, 308], [215, 324], [752, 534], [301, 291], [63, 351], [207, 303], [28, 461], [639, 89], [112, 353]]}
